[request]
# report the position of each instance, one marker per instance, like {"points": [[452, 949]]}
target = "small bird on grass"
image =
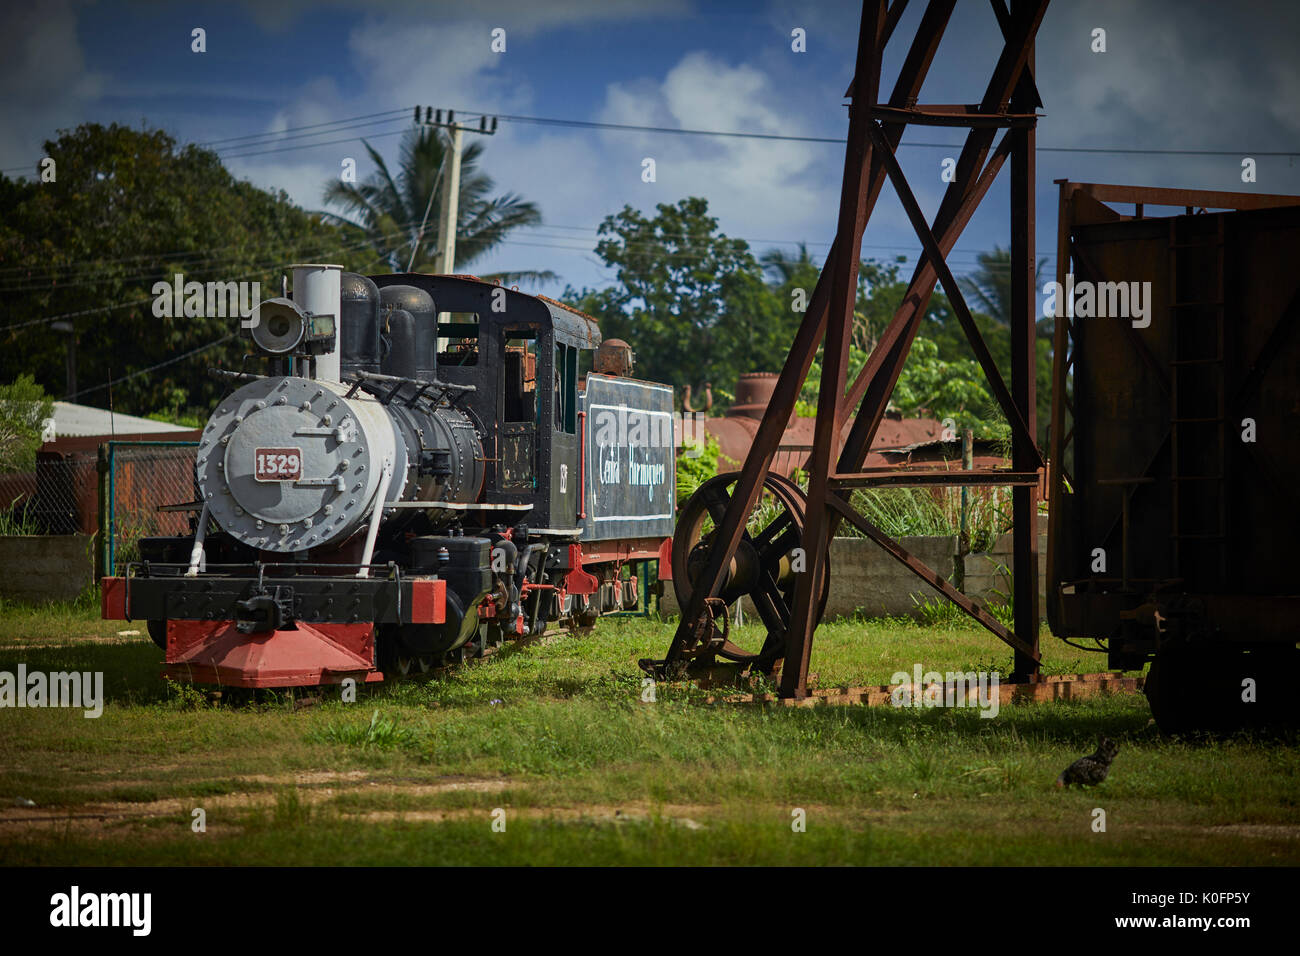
{"points": [[1091, 770]]}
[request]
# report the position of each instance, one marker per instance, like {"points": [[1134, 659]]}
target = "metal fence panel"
{"points": [[56, 497], [142, 476]]}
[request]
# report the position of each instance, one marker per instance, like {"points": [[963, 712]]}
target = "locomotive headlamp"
{"points": [[278, 326], [281, 326]]}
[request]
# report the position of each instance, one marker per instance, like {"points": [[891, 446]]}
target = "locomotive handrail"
{"points": [[346, 570], [401, 379], [239, 376]]}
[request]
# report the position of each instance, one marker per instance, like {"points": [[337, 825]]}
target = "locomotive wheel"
{"points": [[408, 665], [394, 658], [762, 567]]}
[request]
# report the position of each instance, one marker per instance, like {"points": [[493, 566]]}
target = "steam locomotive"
{"points": [[426, 467]]}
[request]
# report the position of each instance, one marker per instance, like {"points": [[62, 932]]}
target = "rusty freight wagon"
{"points": [[1176, 444]]}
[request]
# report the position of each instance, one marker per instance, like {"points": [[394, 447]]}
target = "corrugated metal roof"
{"points": [[78, 420]]}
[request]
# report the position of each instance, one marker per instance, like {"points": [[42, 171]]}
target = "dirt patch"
{"points": [[312, 787], [678, 816], [1266, 831]]}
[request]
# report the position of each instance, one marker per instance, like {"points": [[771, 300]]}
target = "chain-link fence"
{"points": [[143, 477], [58, 496]]}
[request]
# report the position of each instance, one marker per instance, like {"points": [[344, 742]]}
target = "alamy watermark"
{"points": [[75, 689], [221, 300], [1086, 300], [75, 908], [924, 688]]}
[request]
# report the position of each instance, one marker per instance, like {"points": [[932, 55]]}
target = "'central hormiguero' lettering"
{"points": [[649, 475], [645, 473]]}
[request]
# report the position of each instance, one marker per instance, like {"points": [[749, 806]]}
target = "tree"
{"points": [[24, 408], [782, 269], [128, 208], [389, 210], [928, 386], [690, 299]]}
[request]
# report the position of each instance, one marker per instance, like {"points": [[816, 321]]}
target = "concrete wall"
{"points": [[45, 567], [867, 581]]}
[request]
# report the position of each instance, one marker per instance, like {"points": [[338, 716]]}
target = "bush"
{"points": [[24, 407]]}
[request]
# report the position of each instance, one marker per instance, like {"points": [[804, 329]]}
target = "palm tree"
{"points": [[783, 267], [989, 288], [399, 213]]}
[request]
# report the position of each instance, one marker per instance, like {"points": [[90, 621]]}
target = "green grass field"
{"points": [[555, 736]]}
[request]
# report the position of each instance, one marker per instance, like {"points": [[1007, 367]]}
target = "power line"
{"points": [[328, 142], [171, 361], [323, 250], [294, 129], [678, 131], [262, 139], [234, 152], [154, 368]]}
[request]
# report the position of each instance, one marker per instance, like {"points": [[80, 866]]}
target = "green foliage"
{"points": [[174, 413], [907, 512], [388, 209], [698, 307], [589, 774], [24, 407], [694, 470], [130, 208], [18, 518], [690, 299], [381, 732], [930, 386], [988, 293], [953, 389]]}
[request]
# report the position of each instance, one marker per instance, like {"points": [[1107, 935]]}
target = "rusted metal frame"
{"points": [[1026, 91], [1281, 330], [935, 479], [896, 11], [1204, 198], [1062, 359], [953, 116], [802, 351], [896, 339], [835, 352], [1006, 75], [955, 297], [1089, 268], [799, 637], [1010, 64], [928, 575], [1025, 453]]}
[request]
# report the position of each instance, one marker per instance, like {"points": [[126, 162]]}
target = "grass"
{"points": [[555, 735]]}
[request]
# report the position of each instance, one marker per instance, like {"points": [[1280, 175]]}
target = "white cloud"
{"points": [[43, 75]]}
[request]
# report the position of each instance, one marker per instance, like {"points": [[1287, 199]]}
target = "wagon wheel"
{"points": [[762, 567]]}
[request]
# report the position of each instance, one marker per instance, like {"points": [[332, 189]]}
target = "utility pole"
{"points": [[449, 214], [450, 207], [70, 363]]}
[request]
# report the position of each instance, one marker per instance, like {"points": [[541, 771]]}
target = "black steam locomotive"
{"points": [[427, 466]]}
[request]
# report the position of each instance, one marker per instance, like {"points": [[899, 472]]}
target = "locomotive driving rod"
{"points": [[1010, 101]]}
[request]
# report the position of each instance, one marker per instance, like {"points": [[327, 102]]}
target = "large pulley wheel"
{"points": [[765, 567]]}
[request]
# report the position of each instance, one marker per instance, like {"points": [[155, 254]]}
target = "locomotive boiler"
{"points": [[422, 470]]}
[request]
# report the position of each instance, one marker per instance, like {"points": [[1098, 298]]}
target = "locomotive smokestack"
{"points": [[316, 291]]}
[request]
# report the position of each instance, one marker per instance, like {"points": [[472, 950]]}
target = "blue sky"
{"points": [[1175, 75]]}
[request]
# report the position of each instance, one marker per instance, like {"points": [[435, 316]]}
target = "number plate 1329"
{"points": [[278, 464]]}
